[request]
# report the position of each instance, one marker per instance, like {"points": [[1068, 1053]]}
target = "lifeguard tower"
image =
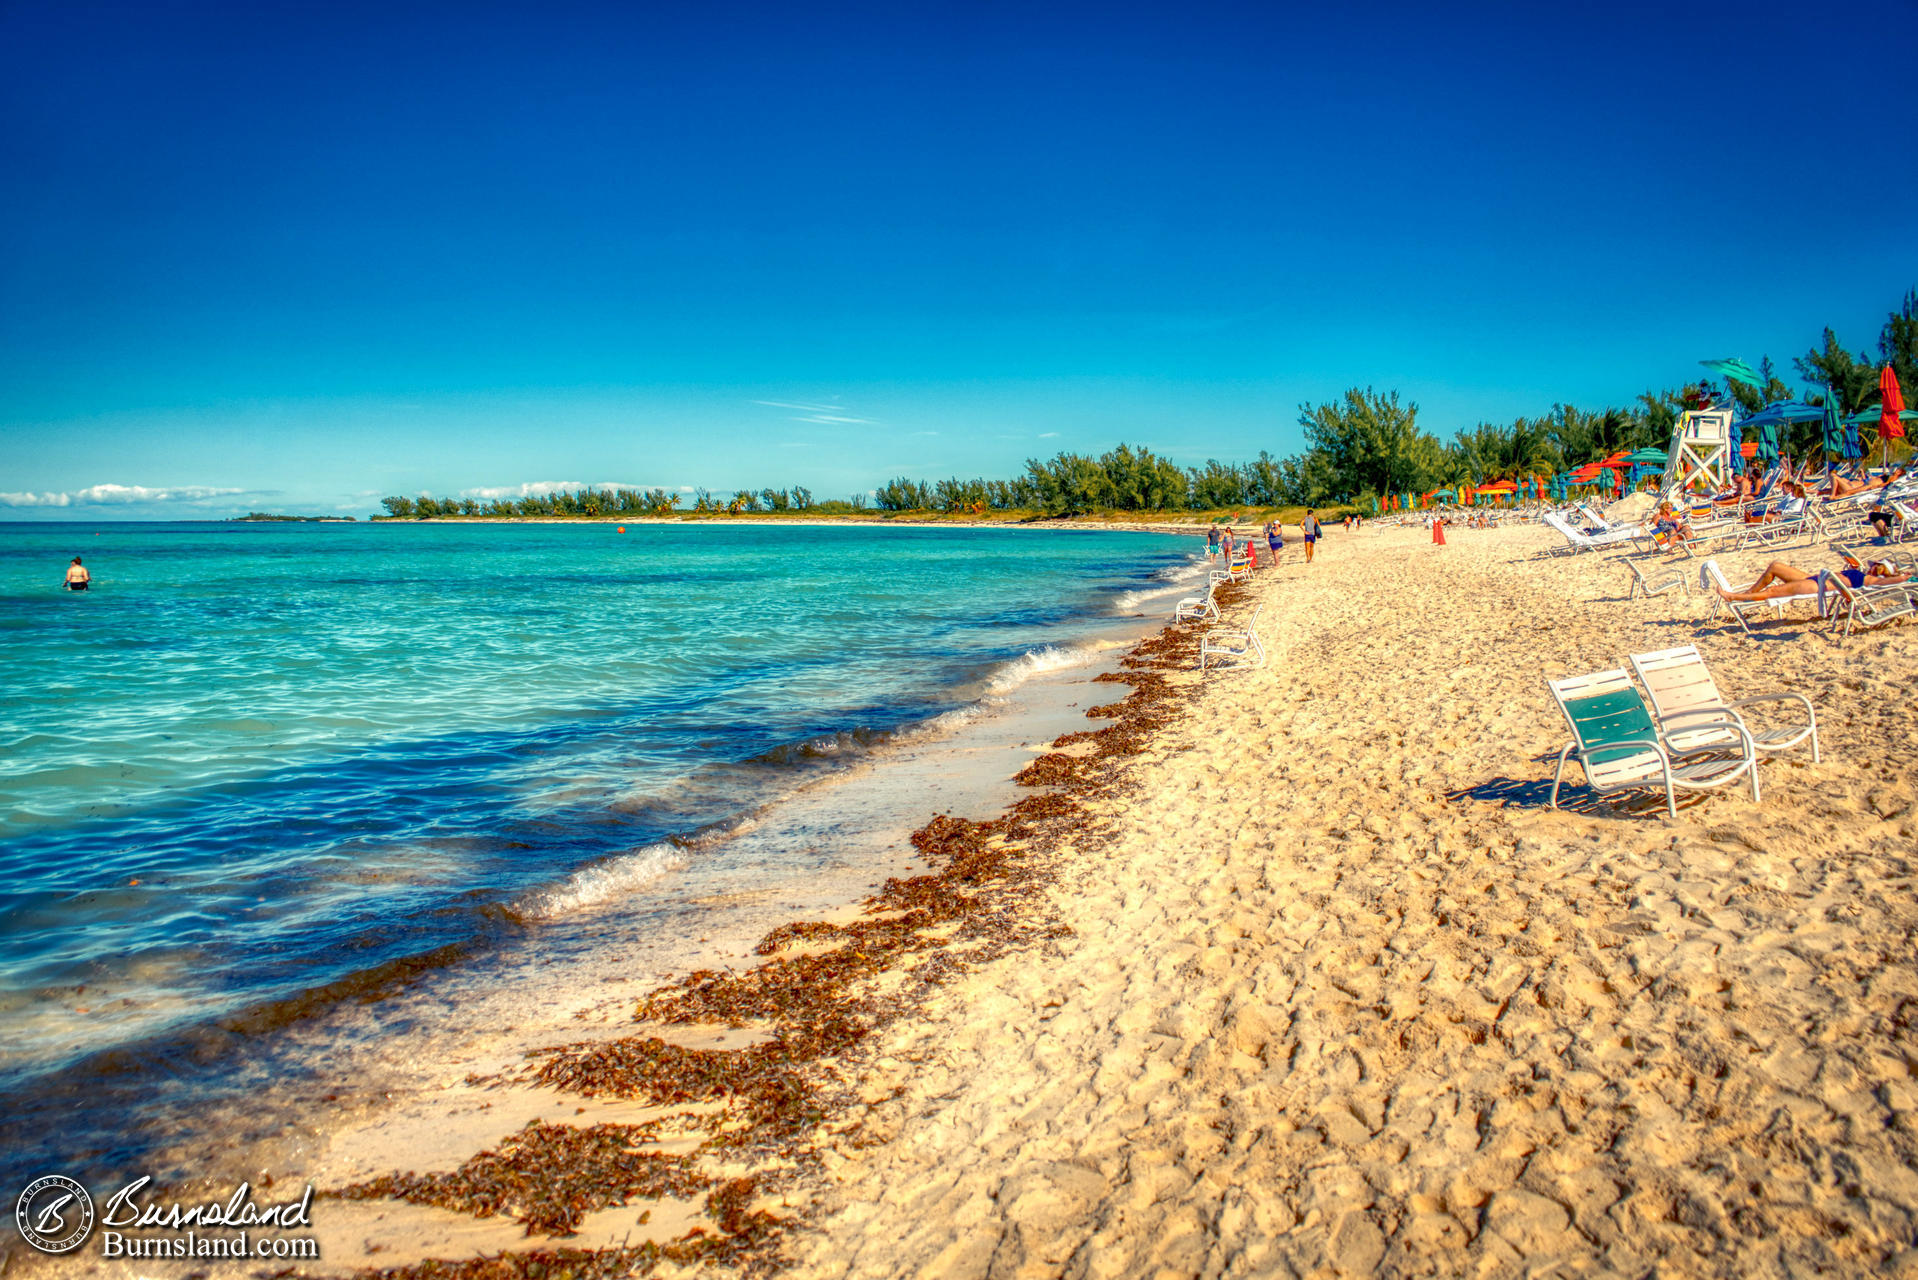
{"points": [[1701, 452]]}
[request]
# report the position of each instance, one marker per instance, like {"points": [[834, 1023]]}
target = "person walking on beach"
{"points": [[1212, 542], [78, 579], [1225, 543], [1310, 528], [1274, 540]]}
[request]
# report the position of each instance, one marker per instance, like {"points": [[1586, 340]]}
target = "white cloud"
{"points": [[545, 488], [1048, 435], [831, 415], [925, 433], [111, 495]]}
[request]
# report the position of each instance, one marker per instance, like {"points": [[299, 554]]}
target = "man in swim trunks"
{"points": [[78, 579], [1310, 528]]}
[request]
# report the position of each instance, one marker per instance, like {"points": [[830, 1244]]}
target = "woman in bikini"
{"points": [[1781, 580]]}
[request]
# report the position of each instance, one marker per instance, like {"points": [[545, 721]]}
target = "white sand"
{"points": [[1334, 1008]]}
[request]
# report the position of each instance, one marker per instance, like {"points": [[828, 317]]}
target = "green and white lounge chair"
{"points": [[1233, 644], [1617, 743], [1679, 683]]}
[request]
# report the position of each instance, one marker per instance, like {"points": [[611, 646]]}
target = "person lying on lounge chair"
{"points": [[1841, 487], [1781, 580], [1872, 573]]}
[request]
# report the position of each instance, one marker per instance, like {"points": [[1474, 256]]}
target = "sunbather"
{"points": [[1841, 487], [1669, 523], [1777, 582], [1781, 580]]}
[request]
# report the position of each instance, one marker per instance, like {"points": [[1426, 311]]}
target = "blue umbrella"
{"points": [[1769, 419]]}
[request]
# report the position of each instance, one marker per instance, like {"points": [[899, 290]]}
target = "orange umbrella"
{"points": [[1892, 403]]}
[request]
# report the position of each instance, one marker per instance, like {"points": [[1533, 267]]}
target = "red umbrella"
{"points": [[1892, 404]]}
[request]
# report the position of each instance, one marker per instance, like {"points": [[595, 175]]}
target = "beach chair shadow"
{"points": [[1536, 793]]}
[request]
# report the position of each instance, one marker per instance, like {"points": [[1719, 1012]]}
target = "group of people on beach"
{"points": [[1219, 539], [1750, 497]]}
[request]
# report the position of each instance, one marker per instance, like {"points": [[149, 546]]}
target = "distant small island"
{"points": [[257, 517]]}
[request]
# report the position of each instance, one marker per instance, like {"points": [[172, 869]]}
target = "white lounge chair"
{"points": [[1578, 540], [1199, 606], [1864, 607], [1743, 611], [1779, 532], [1617, 743], [1679, 683], [1660, 585], [1234, 644]]}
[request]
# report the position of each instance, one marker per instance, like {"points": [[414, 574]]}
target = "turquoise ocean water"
{"points": [[258, 761]]}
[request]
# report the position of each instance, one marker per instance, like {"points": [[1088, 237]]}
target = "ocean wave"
{"points": [[604, 880], [1037, 662]]}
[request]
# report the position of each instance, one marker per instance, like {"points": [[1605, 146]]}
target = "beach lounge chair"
{"points": [[1863, 608], [1234, 644], [1780, 532], [1657, 587], [1743, 611], [1578, 540], [1678, 681], [1619, 746], [1199, 606]]}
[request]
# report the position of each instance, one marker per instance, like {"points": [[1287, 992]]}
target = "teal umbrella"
{"points": [[1736, 370], [1834, 430], [1647, 457]]}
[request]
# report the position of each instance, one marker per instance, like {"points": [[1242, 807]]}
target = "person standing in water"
{"points": [[78, 579], [1310, 528]]}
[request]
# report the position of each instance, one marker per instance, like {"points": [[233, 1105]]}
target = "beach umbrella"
{"points": [[1834, 430], [1647, 456], [1736, 370], [1891, 404], [1764, 425], [1747, 449]]}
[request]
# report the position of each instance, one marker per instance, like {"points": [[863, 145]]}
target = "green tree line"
{"points": [[1359, 448]]}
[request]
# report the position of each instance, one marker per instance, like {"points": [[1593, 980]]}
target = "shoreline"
{"points": [[1287, 971], [363, 1112]]}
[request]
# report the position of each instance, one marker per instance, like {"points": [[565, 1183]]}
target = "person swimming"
{"points": [[78, 579]]}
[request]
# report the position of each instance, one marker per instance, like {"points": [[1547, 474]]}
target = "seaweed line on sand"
{"points": [[772, 1107]]}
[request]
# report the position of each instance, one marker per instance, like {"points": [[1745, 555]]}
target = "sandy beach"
{"points": [[1282, 972], [1345, 997]]}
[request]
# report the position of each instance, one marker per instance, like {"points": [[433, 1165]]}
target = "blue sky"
{"points": [[297, 258]]}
